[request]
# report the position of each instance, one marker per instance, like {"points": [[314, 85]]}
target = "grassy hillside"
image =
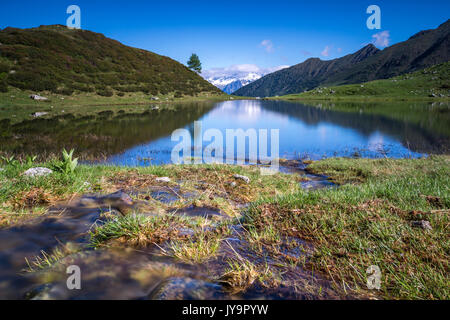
{"points": [[303, 76], [423, 50], [428, 84], [58, 60]]}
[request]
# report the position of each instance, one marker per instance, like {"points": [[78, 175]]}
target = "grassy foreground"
{"points": [[367, 221], [430, 84]]}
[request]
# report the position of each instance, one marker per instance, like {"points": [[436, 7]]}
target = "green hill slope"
{"points": [[303, 76], [430, 83], [425, 49], [64, 61]]}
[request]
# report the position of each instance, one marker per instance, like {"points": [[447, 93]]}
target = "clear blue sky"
{"points": [[230, 32]]}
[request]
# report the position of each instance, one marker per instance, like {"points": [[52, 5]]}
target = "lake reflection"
{"points": [[305, 131], [381, 130]]}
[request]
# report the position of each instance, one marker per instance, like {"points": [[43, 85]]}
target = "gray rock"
{"points": [[423, 224], [37, 172], [163, 179], [39, 114], [154, 98], [119, 200], [243, 178], [38, 97], [187, 289]]}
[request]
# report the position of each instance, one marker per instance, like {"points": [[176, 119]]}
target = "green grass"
{"points": [[197, 250], [367, 222], [138, 231], [420, 85]]}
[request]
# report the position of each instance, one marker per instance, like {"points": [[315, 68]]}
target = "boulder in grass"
{"points": [[243, 178], [39, 114], [422, 224], [163, 179], [38, 97], [37, 172]]}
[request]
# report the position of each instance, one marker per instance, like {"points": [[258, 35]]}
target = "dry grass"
{"points": [[198, 250]]}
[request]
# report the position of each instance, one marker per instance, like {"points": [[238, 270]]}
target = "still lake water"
{"points": [[305, 131]]}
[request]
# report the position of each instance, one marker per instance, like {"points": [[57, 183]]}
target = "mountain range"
{"points": [[424, 49], [233, 82], [61, 60], [233, 78]]}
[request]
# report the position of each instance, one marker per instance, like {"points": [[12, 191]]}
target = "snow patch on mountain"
{"points": [[232, 78]]}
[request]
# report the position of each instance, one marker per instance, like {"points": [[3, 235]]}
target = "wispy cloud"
{"points": [[326, 51], [267, 45], [306, 53], [381, 39], [239, 70]]}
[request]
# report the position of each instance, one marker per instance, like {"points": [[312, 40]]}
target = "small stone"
{"points": [[179, 288], [37, 172], [154, 98], [423, 224], [232, 184], [39, 114], [38, 97], [163, 179], [243, 178]]}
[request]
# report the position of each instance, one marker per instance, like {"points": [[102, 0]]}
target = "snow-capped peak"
{"points": [[232, 78]]}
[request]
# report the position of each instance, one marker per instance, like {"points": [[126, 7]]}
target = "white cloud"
{"points": [[268, 45], [381, 39], [239, 70], [326, 51]]}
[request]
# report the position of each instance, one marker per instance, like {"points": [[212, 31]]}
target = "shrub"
{"points": [[105, 93], [65, 91], [3, 86], [68, 164]]}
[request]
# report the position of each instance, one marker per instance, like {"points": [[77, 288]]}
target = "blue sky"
{"points": [[225, 33]]}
